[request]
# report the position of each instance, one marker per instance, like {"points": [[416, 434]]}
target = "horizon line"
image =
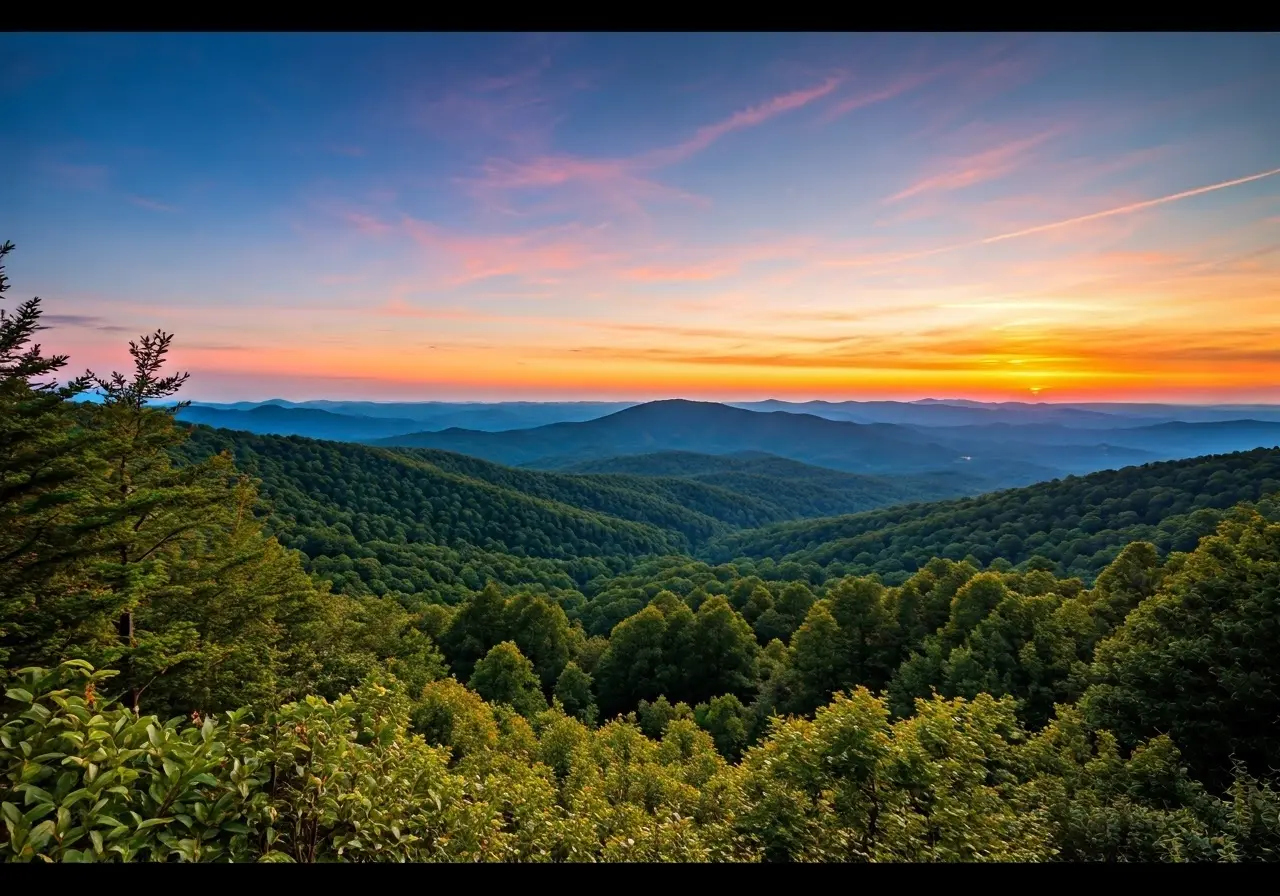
{"points": [[727, 402]]}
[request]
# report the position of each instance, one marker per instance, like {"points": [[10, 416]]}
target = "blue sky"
{"points": [[634, 216]]}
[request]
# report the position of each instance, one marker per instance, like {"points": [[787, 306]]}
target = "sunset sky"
{"points": [[485, 217]]}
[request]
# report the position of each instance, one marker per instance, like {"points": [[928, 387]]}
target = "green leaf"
{"points": [[152, 822], [20, 694]]}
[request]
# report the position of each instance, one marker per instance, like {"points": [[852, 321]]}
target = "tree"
{"points": [[631, 668], [728, 723], [573, 690], [174, 539], [479, 624], [541, 631], [504, 675], [816, 662], [654, 717], [1199, 660], [724, 652], [44, 469], [858, 606]]}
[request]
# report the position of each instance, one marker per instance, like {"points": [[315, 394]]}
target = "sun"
{"points": [[1035, 390]]}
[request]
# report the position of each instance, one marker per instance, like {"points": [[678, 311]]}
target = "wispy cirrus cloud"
{"points": [[750, 117], [1074, 221], [627, 182], [366, 223], [672, 264], [516, 109], [956, 173], [545, 255]]}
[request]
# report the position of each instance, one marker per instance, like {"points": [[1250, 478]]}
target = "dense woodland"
{"points": [[219, 646]]}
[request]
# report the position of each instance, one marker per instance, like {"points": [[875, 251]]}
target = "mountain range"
{"points": [[978, 447]]}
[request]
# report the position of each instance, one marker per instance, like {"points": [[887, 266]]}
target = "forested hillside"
{"points": [[1073, 525], [797, 489], [465, 662]]}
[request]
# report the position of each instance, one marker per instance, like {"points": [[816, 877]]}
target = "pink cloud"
{"points": [[965, 171], [540, 255], [515, 109], [722, 262], [681, 273], [904, 84], [367, 224], [613, 182], [750, 117], [622, 182]]}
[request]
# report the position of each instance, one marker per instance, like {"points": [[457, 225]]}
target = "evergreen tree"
{"points": [[44, 471]]}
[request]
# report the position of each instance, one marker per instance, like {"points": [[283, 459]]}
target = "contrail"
{"points": [[1121, 210], [1134, 207]]}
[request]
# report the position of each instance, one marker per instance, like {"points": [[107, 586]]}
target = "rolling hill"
{"points": [[1162, 441], [425, 521], [803, 490], [1078, 524], [437, 415], [710, 428]]}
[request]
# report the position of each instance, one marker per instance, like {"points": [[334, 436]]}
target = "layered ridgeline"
{"points": [[984, 447], [1073, 525], [363, 421], [417, 521], [709, 428]]}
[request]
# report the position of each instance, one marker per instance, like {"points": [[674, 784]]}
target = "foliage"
{"points": [[1078, 523], [1198, 660]]}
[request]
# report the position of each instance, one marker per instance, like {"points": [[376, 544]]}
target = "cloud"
{"points": [[966, 171], [151, 204], [339, 279], [542, 255], [367, 224], [211, 347], [625, 182], [894, 89], [83, 322], [1126, 209], [726, 334], [515, 109], [722, 261], [746, 118], [612, 182], [1131, 207]]}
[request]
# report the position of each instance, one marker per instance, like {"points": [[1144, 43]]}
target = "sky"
{"points": [[622, 216]]}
